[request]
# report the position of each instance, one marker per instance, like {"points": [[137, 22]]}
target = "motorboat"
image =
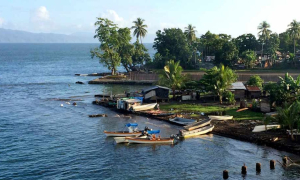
{"points": [[132, 131], [182, 121], [144, 135], [152, 139], [143, 107], [220, 118], [197, 125], [196, 132]]}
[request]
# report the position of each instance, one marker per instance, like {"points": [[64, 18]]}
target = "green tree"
{"points": [[190, 32], [140, 54], [246, 42], [139, 28], [289, 116], [125, 49], [108, 35], [171, 76], [255, 80], [172, 44], [227, 55], [272, 45], [264, 34], [249, 58], [294, 32], [217, 80]]}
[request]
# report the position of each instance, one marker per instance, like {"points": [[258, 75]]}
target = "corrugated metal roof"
{"points": [[154, 87], [237, 85], [253, 88]]}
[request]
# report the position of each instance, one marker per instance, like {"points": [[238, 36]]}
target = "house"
{"points": [[156, 93], [238, 89], [253, 92]]}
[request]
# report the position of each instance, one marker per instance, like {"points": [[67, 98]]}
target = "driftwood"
{"points": [[98, 115]]}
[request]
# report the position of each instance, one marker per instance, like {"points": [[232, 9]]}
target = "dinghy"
{"points": [[132, 131], [196, 132], [197, 125], [151, 140], [182, 121], [143, 107], [220, 118]]}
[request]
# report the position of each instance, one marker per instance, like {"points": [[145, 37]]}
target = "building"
{"points": [[156, 93], [238, 89], [253, 92]]}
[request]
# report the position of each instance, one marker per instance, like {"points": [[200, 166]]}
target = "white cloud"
{"points": [[42, 21], [41, 14], [1, 22], [113, 16]]}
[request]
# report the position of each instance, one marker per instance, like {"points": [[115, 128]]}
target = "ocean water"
{"points": [[39, 139]]}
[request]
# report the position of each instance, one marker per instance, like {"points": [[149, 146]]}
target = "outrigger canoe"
{"points": [[196, 132], [132, 131], [197, 125], [151, 141]]}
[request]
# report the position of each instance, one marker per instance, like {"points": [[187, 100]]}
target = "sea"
{"points": [[43, 136]]}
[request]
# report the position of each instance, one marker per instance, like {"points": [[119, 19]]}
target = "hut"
{"points": [[238, 89], [156, 93], [253, 92]]}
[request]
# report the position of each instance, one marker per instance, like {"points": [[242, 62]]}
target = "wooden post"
{"points": [[272, 164], [258, 167], [244, 169], [225, 174], [285, 160]]}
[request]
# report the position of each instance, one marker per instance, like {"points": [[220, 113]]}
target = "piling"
{"points": [[272, 164], [244, 169], [258, 167], [285, 160], [225, 174]]}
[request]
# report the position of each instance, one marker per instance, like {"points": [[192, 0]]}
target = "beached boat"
{"points": [[182, 121], [132, 131], [145, 134], [143, 107], [196, 132], [151, 141], [262, 128], [197, 125], [220, 118]]}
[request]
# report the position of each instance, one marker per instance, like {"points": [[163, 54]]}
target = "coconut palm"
{"points": [[264, 33], [294, 32], [190, 33], [171, 76], [139, 29]]}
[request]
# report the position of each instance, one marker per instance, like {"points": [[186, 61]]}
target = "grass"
{"points": [[197, 108]]}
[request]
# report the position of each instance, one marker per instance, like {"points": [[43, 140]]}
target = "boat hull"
{"points": [[119, 140], [221, 118], [122, 134], [143, 107], [197, 125], [182, 121], [196, 132], [148, 141]]}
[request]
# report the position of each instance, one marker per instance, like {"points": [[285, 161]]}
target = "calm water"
{"points": [[41, 140]]}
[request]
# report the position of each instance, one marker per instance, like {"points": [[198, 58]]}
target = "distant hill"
{"points": [[15, 36]]}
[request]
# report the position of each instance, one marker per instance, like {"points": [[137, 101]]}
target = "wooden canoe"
{"points": [[122, 133], [196, 132], [220, 118], [182, 121], [149, 141], [197, 125]]}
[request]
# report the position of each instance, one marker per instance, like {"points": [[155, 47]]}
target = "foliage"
{"points": [[190, 33], [139, 29], [294, 32], [249, 58], [140, 54], [125, 49], [172, 44], [255, 80], [267, 120], [171, 76], [272, 45], [288, 115], [108, 35], [230, 97], [227, 55], [217, 80], [264, 31], [246, 42]]}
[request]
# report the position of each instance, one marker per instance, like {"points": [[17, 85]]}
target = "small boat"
{"points": [[143, 107], [197, 125], [144, 135], [220, 118], [132, 131], [200, 131], [262, 128], [151, 139], [182, 121]]}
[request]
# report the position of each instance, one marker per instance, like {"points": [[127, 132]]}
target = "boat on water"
{"points": [[143, 107], [145, 134], [197, 125], [220, 118], [132, 131], [151, 139], [182, 121], [196, 132]]}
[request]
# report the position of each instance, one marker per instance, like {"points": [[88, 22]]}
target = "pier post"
{"points": [[225, 174], [244, 169], [285, 160], [258, 167], [272, 164]]}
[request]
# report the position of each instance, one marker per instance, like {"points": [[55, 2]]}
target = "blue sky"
{"points": [[234, 17]]}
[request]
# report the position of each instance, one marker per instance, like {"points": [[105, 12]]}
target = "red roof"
{"points": [[253, 88]]}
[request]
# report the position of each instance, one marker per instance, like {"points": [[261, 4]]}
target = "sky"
{"points": [[234, 17]]}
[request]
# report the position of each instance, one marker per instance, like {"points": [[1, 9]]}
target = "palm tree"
{"points": [[264, 33], [139, 29], [190, 33], [171, 76], [294, 32]]}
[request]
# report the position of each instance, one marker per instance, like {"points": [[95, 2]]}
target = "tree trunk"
{"points": [[294, 47], [173, 94], [126, 67], [221, 99], [292, 134], [113, 71], [262, 52]]}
